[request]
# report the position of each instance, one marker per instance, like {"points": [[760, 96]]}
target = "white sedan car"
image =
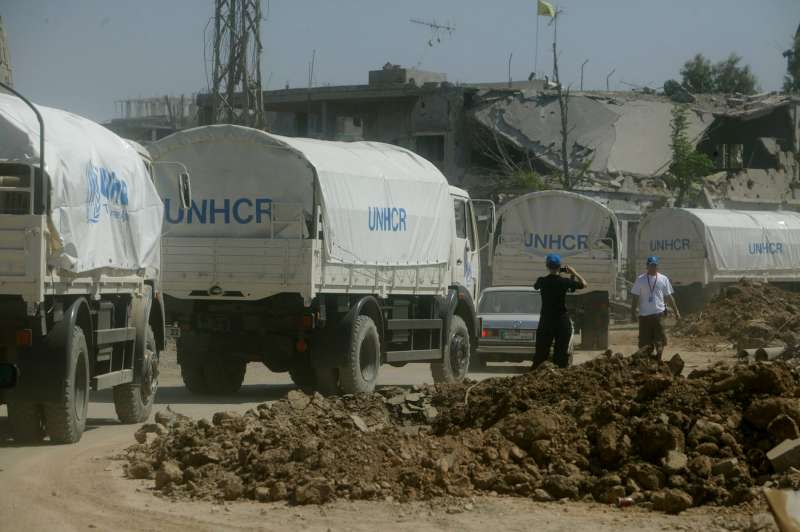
{"points": [[509, 317]]}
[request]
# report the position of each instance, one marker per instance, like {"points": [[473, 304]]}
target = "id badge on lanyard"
{"points": [[652, 298]]}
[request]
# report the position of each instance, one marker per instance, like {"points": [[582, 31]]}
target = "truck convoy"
{"points": [[701, 250], [580, 229], [324, 259], [80, 236]]}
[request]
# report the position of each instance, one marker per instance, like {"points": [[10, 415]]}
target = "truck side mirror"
{"points": [[8, 375], [185, 189]]}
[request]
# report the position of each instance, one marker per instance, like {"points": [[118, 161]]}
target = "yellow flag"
{"points": [[546, 9]]}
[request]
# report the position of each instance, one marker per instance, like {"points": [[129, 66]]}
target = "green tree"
{"points": [[729, 77], [688, 166], [791, 83], [697, 75]]}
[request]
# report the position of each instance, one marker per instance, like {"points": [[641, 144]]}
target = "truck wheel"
{"points": [[66, 419], [194, 376], [360, 372], [224, 375], [26, 421], [326, 381], [133, 402], [456, 354]]}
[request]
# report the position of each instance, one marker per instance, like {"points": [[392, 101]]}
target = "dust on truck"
{"points": [[581, 230], [79, 255], [324, 259], [703, 250]]}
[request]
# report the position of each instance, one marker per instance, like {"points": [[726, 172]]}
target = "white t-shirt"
{"points": [[652, 291]]}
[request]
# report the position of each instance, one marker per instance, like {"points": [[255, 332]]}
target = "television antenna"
{"points": [[437, 30]]}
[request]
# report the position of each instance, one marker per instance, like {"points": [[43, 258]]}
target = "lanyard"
{"points": [[653, 286]]}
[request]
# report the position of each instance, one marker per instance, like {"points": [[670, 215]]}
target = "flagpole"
{"points": [[536, 57], [555, 39]]}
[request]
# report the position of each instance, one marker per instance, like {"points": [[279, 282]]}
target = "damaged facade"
{"points": [[754, 145], [619, 146]]}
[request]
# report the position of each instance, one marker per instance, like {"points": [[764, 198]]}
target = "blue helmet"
{"points": [[553, 260], [652, 260]]}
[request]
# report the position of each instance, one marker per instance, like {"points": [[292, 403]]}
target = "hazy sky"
{"points": [[82, 55]]}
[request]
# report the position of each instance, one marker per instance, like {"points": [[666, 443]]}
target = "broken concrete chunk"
{"points": [[785, 455], [675, 461], [727, 467], [298, 400], [359, 422], [671, 501]]}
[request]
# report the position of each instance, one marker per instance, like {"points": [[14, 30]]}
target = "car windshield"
{"points": [[510, 302]]}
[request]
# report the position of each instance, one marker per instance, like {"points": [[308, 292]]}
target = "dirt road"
{"points": [[80, 487]]}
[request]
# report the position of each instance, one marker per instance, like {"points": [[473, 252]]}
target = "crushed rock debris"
{"points": [[749, 314], [608, 429]]}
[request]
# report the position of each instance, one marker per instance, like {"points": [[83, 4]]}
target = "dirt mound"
{"points": [[749, 314], [611, 428]]}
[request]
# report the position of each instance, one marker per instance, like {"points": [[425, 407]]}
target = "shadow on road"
{"points": [[6, 440], [179, 395], [502, 370]]}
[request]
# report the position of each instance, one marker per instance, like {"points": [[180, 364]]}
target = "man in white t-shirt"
{"points": [[651, 292]]}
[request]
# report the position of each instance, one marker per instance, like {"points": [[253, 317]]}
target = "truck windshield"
{"points": [[510, 302]]}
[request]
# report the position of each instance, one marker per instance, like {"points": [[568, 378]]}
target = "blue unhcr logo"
{"points": [[105, 192]]}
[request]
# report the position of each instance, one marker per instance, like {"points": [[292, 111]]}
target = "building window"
{"points": [[431, 147]]}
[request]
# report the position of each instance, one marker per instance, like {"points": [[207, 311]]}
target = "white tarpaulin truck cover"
{"points": [[554, 221], [105, 209], [734, 243], [381, 204]]}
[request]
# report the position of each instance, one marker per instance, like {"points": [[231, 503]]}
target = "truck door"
{"points": [[464, 247]]}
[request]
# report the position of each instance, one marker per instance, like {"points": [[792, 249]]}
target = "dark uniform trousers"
{"points": [[556, 331]]}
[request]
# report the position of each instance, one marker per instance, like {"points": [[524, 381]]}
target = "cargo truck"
{"points": [[702, 250], [583, 231], [324, 259], [80, 235]]}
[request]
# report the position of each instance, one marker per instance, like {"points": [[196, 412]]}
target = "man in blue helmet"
{"points": [[554, 323], [651, 293]]}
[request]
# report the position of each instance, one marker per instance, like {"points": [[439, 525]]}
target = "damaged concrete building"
{"points": [[755, 143], [413, 108], [619, 146]]}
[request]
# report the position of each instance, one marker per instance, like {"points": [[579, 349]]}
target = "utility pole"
{"points": [[237, 97], [583, 65], [608, 89], [5, 60]]}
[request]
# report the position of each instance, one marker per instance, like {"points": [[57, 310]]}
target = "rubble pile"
{"points": [[749, 314], [613, 428]]}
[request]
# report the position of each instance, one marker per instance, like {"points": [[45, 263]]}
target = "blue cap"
{"points": [[553, 260], [652, 260]]}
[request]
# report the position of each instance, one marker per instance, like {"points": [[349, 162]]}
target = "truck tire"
{"points": [[66, 419], [224, 375], [26, 421], [455, 364], [194, 376], [360, 372], [133, 402], [326, 381]]}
